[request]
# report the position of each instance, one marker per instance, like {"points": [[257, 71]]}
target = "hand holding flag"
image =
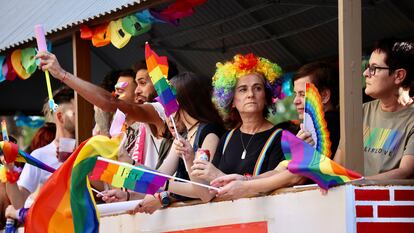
{"points": [[314, 120], [41, 46], [304, 160]]}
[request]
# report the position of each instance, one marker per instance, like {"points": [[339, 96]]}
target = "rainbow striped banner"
{"points": [[138, 178], [12, 153], [308, 162], [314, 120], [158, 71]]}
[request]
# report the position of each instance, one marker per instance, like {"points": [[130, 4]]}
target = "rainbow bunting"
{"points": [[65, 203], [158, 71], [12, 153], [308, 162], [119, 176], [314, 120]]}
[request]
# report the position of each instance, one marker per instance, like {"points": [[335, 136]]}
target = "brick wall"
{"points": [[384, 209]]}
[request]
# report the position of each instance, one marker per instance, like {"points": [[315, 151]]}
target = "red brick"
{"points": [[364, 211], [404, 195], [396, 211], [372, 195], [385, 227]]}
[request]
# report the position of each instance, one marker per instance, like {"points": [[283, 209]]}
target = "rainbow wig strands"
{"points": [[227, 74]]}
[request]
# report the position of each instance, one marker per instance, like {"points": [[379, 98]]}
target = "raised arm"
{"points": [[97, 95]]}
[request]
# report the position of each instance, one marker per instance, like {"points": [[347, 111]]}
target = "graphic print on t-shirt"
{"points": [[381, 141]]}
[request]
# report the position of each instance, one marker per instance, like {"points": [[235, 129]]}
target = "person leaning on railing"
{"points": [[388, 120]]}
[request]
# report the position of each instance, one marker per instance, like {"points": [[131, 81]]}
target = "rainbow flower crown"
{"points": [[227, 74]]}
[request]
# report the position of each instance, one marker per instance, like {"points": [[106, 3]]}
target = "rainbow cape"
{"points": [[140, 179], [308, 162], [314, 120], [65, 203], [12, 153], [158, 71]]}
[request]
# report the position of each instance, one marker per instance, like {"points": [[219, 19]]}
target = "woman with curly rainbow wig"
{"points": [[243, 91], [227, 75]]}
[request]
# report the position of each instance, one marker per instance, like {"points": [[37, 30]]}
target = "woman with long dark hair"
{"points": [[204, 128]]}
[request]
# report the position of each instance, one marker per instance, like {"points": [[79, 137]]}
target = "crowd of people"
{"points": [[227, 116]]}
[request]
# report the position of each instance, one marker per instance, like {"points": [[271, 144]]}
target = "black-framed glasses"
{"points": [[372, 69]]}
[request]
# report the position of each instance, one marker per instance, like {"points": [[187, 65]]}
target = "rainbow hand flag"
{"points": [[140, 179], [314, 120], [12, 153], [65, 203], [308, 162], [158, 71], [4, 130]]}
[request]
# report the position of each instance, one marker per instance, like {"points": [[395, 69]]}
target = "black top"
{"points": [[231, 162], [332, 121]]}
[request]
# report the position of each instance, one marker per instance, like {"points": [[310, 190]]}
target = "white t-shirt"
{"points": [[151, 153], [31, 176]]}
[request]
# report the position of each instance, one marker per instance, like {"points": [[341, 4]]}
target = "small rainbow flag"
{"points": [[4, 130], [12, 153], [158, 71], [314, 120], [140, 179], [308, 162], [65, 203]]}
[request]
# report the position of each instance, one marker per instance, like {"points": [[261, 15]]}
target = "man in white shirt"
{"points": [[31, 176]]}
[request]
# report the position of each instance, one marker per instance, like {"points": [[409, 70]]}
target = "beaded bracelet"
{"points": [[158, 196], [12, 176], [21, 215]]}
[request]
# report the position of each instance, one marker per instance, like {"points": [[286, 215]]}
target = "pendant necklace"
{"points": [[243, 156]]}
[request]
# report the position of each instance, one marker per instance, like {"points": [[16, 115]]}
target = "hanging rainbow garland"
{"points": [[21, 63], [119, 32]]}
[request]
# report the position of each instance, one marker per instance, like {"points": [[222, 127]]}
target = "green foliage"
{"points": [[285, 111]]}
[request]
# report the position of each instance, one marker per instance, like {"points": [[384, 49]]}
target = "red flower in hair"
{"points": [[247, 62]]}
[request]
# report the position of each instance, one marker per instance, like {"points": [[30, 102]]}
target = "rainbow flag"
{"points": [[308, 162], [65, 203], [314, 120], [12, 153], [158, 71], [4, 130], [140, 179]]}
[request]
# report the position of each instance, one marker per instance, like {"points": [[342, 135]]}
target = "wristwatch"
{"points": [[165, 199]]}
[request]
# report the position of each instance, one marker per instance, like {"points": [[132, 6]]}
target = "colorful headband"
{"points": [[227, 74]]}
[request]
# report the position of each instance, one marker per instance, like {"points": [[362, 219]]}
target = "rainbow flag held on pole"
{"points": [[314, 120], [304, 160], [12, 153], [65, 202], [158, 71], [138, 179], [4, 130]]}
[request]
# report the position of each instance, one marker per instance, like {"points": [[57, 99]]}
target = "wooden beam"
{"points": [[350, 83], [82, 69]]}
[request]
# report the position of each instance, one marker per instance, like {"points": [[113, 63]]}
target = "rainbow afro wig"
{"points": [[228, 73]]}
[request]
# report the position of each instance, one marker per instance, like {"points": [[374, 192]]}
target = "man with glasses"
{"points": [[388, 120]]}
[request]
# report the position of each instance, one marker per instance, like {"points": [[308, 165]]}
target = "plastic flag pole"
{"points": [[178, 137]]}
